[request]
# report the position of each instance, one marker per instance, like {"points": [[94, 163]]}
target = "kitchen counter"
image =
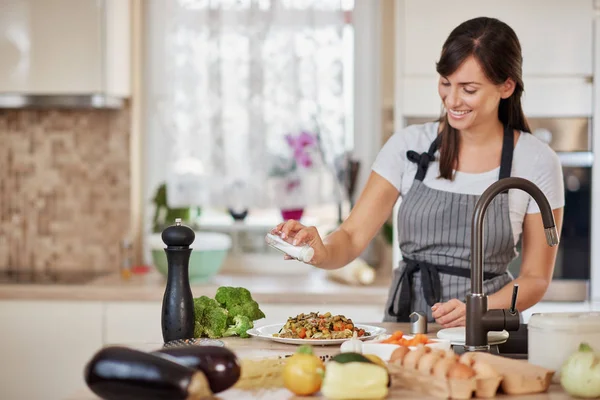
{"points": [[278, 281], [250, 348]]}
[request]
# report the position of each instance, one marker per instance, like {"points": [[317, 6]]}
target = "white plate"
{"points": [[267, 331], [456, 336]]}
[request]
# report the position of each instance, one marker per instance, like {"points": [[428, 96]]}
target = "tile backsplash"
{"points": [[64, 189]]}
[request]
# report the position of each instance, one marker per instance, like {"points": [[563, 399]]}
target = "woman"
{"points": [[440, 169]]}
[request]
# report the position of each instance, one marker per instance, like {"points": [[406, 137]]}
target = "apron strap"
{"points": [[506, 158], [422, 160], [431, 285]]}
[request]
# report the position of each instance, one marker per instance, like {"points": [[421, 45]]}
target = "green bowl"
{"points": [[208, 253]]}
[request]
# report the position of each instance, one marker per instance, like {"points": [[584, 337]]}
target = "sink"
{"points": [[515, 347]]}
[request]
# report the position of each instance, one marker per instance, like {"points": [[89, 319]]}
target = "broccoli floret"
{"points": [[242, 324], [210, 318], [238, 301]]}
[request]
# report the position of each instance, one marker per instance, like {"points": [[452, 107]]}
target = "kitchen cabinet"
{"points": [[49, 342], [556, 39], [65, 47], [45, 345], [133, 322], [555, 36]]}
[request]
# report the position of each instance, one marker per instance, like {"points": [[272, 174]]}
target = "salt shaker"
{"points": [[301, 253], [177, 318]]}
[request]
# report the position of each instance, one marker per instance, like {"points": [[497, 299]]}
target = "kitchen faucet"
{"points": [[480, 320]]}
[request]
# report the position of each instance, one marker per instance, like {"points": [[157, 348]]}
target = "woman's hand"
{"points": [[450, 314], [297, 234]]}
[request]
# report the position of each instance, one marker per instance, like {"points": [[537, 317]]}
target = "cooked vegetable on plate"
{"points": [[319, 326]]}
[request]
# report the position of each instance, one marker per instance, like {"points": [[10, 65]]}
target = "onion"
{"points": [[580, 374], [353, 345]]}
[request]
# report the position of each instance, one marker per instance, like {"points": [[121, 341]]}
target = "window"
{"points": [[228, 79]]}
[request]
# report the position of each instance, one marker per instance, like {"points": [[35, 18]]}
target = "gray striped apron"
{"points": [[434, 232]]}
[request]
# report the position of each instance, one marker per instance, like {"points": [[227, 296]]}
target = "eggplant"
{"points": [[119, 373], [219, 364]]}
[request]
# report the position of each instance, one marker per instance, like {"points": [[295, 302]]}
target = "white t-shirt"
{"points": [[532, 159]]}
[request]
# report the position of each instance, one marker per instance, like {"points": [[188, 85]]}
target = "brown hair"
{"points": [[497, 49]]}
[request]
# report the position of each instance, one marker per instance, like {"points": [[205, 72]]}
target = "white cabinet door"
{"points": [[65, 47], [555, 35], [45, 346], [556, 40], [133, 322]]}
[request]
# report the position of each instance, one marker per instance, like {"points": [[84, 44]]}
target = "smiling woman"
{"points": [[440, 169]]}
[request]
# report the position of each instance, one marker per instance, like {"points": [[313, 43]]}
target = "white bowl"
{"points": [[381, 350], [385, 350], [209, 252], [202, 241]]}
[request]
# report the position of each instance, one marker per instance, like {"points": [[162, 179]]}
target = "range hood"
{"points": [[66, 54], [61, 101]]}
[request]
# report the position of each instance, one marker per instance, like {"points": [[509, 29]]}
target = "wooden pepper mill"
{"points": [[178, 302]]}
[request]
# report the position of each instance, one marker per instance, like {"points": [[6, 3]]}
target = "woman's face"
{"points": [[470, 98]]}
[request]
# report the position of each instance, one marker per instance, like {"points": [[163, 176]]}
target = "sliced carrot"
{"points": [[397, 334]]}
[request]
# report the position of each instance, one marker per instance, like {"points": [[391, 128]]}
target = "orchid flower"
{"points": [[299, 144]]}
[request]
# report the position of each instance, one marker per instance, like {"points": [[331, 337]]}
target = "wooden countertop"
{"points": [[305, 285], [253, 347]]}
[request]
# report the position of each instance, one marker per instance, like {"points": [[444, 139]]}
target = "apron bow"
{"points": [[422, 160]]}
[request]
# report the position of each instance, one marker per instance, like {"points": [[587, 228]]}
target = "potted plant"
{"points": [[165, 215], [303, 147]]}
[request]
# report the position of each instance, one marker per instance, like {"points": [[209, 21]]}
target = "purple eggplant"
{"points": [[219, 364], [119, 373]]}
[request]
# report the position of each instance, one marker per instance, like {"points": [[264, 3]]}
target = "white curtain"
{"points": [[252, 105]]}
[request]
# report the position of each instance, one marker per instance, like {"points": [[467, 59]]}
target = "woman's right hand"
{"points": [[297, 234]]}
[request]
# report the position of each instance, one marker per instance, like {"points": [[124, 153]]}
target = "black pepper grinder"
{"points": [[178, 302]]}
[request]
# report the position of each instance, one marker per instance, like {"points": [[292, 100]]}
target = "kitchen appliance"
{"points": [[571, 139]]}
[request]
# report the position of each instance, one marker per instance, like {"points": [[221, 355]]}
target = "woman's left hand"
{"points": [[450, 314]]}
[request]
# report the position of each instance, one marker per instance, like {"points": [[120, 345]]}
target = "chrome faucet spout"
{"points": [[480, 320]]}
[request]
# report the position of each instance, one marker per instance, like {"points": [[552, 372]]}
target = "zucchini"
{"points": [[119, 373], [349, 357], [218, 364]]}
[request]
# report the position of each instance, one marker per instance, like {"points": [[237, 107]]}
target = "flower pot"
{"points": [[292, 213]]}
